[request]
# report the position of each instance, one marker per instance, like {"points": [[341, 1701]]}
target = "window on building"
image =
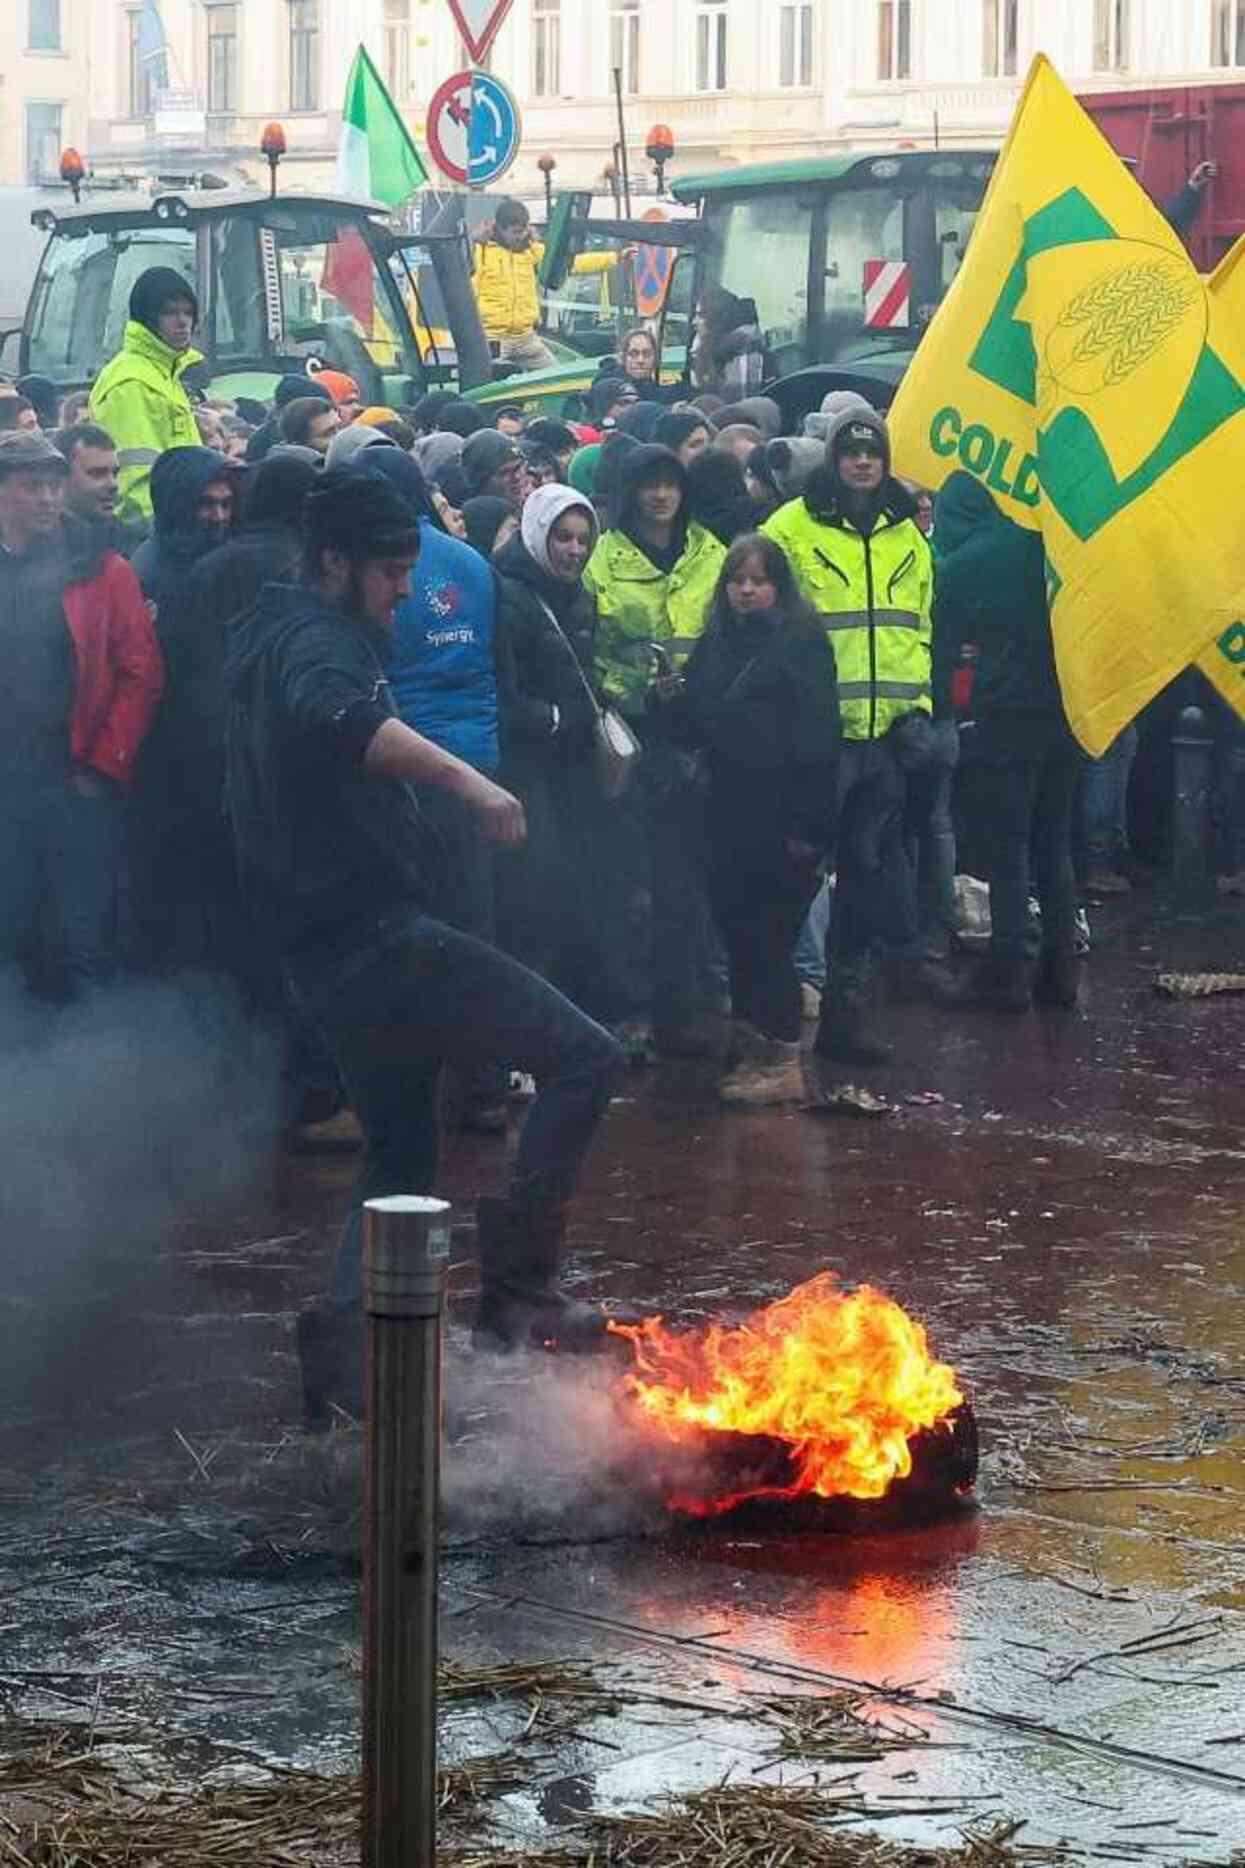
{"points": [[1000, 38], [625, 43], [795, 44], [304, 54], [1227, 32], [894, 39], [711, 48], [43, 141], [43, 33], [1113, 34], [398, 48], [546, 48], [140, 68], [222, 61]]}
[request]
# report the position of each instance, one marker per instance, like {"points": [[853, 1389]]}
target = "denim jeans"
{"points": [[931, 841], [810, 947], [62, 857], [408, 994], [1105, 800]]}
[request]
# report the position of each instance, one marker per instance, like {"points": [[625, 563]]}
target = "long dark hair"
{"points": [[791, 607], [641, 330]]}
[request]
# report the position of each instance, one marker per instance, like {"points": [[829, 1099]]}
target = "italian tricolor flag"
{"points": [[378, 159]]}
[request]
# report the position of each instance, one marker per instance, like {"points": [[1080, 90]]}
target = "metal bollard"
{"points": [[406, 1243], [1193, 858]]}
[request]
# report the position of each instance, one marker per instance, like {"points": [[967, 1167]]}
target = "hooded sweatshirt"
{"points": [[178, 540], [718, 495], [323, 846], [437, 452], [549, 627], [348, 443], [484, 514], [140, 397], [189, 739], [639, 601], [991, 590]]}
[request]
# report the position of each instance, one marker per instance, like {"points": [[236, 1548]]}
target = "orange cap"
{"points": [[341, 387]]}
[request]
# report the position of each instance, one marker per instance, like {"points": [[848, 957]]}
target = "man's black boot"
{"points": [[1001, 984], [330, 1357], [846, 1033], [521, 1305]]}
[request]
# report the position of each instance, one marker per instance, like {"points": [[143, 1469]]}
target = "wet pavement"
{"points": [[1068, 1221]]}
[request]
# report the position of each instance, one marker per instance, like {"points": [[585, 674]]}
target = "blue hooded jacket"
{"points": [[442, 668]]}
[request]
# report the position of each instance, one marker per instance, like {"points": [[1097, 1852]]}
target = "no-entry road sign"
{"points": [[479, 22], [473, 128]]}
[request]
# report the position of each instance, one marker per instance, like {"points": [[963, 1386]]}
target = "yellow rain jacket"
{"points": [[637, 604], [140, 399], [875, 596], [506, 285]]}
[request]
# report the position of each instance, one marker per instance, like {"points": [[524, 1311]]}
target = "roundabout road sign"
{"points": [[474, 128]]}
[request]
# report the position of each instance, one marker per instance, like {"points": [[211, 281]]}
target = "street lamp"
{"points": [[547, 164], [272, 145], [73, 169], [660, 150]]}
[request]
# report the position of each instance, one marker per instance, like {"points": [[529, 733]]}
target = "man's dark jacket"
{"points": [[325, 848]]}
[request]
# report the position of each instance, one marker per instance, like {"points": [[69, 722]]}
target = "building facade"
{"points": [[45, 84], [735, 80]]}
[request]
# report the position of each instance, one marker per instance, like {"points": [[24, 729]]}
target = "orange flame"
{"points": [[845, 1381]]}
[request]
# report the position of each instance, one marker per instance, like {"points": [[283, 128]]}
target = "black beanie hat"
{"points": [[295, 388], [360, 515], [153, 291]]}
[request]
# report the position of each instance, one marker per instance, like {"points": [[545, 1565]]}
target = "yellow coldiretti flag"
{"points": [[1081, 369], [1223, 663]]}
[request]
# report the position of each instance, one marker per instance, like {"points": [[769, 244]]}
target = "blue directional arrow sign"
{"points": [[496, 129]]}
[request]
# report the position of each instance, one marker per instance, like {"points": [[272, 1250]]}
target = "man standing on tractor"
{"points": [[139, 397], [507, 259]]}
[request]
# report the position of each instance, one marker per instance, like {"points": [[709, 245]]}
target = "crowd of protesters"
{"points": [[238, 634]]}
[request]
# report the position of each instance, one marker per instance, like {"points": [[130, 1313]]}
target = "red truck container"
{"points": [[1165, 132]]}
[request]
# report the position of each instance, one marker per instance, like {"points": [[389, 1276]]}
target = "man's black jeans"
{"points": [[1027, 822], [408, 994]]}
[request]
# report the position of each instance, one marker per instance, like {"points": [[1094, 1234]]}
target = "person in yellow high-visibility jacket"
{"points": [[504, 274], [863, 563]]}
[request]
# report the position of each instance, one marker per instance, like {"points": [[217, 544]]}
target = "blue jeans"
{"points": [[62, 857], [810, 948], [1105, 800], [407, 994]]}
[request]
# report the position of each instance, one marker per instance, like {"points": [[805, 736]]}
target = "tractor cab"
{"points": [[282, 282], [838, 265]]}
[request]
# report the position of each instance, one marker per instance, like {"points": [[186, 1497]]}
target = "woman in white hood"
{"points": [[546, 637]]}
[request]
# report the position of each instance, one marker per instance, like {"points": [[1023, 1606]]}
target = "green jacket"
{"points": [[637, 604], [875, 595], [139, 397]]}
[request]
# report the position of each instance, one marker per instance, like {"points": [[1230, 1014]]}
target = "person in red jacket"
{"points": [[83, 676]]}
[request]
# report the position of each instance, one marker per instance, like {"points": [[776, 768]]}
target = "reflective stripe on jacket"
{"points": [[139, 397], [874, 594], [637, 604], [506, 285]]}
